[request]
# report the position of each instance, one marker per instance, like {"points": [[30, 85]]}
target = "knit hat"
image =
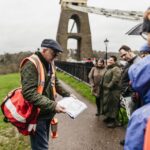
{"points": [[54, 45]]}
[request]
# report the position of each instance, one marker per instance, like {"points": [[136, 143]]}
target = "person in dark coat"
{"points": [[127, 55], [131, 58], [111, 92]]}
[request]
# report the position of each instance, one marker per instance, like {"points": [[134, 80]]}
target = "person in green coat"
{"points": [[46, 102], [111, 92]]}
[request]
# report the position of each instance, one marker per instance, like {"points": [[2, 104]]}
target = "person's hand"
{"points": [[72, 95], [60, 109]]}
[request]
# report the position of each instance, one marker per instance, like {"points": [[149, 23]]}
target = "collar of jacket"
{"points": [[111, 66], [100, 67], [132, 60], [45, 63]]}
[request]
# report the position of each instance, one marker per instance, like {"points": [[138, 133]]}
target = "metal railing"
{"points": [[78, 70]]}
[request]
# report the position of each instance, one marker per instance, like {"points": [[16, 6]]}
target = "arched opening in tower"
{"points": [[74, 24], [72, 47]]}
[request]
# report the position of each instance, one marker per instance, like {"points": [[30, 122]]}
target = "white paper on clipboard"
{"points": [[73, 106]]}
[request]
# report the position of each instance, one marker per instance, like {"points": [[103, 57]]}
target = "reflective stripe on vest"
{"points": [[147, 136], [53, 80]]}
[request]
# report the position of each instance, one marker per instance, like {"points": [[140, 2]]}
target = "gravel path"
{"points": [[86, 132]]}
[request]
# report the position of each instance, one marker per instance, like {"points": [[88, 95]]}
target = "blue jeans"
{"points": [[40, 140]]}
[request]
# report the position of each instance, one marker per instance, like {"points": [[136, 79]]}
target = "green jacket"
{"points": [[111, 78], [111, 90], [29, 80]]}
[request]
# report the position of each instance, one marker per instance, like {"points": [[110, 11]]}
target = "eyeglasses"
{"points": [[54, 53]]}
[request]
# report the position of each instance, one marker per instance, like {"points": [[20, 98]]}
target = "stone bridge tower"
{"points": [[83, 34]]}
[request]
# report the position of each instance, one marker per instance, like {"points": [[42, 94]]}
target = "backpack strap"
{"points": [[41, 76]]}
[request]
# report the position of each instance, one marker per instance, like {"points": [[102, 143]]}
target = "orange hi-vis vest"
{"points": [[41, 77], [147, 136], [19, 111]]}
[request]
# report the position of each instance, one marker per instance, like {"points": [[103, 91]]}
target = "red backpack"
{"points": [[18, 111]]}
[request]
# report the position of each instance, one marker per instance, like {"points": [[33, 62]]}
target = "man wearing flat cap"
{"points": [[45, 101]]}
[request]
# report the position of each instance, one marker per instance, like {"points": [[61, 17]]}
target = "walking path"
{"points": [[86, 132]]}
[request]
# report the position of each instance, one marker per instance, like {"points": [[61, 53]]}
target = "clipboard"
{"points": [[73, 106]]}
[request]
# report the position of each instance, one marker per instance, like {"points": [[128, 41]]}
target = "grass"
{"points": [[79, 86], [8, 82], [8, 136]]}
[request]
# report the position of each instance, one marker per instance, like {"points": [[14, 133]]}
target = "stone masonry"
{"points": [[83, 35]]}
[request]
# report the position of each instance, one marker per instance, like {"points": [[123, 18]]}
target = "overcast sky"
{"points": [[25, 23]]}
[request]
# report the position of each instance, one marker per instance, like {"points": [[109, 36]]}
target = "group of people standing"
{"points": [[105, 87], [130, 81]]}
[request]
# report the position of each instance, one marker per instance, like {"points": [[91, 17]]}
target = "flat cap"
{"points": [[145, 48], [54, 45]]}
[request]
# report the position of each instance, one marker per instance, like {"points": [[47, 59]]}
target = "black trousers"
{"points": [[98, 104]]}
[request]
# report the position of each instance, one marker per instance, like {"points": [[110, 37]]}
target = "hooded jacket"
{"points": [[140, 80]]}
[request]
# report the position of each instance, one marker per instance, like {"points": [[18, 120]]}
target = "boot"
{"points": [[98, 106], [107, 120], [112, 123], [97, 114]]}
